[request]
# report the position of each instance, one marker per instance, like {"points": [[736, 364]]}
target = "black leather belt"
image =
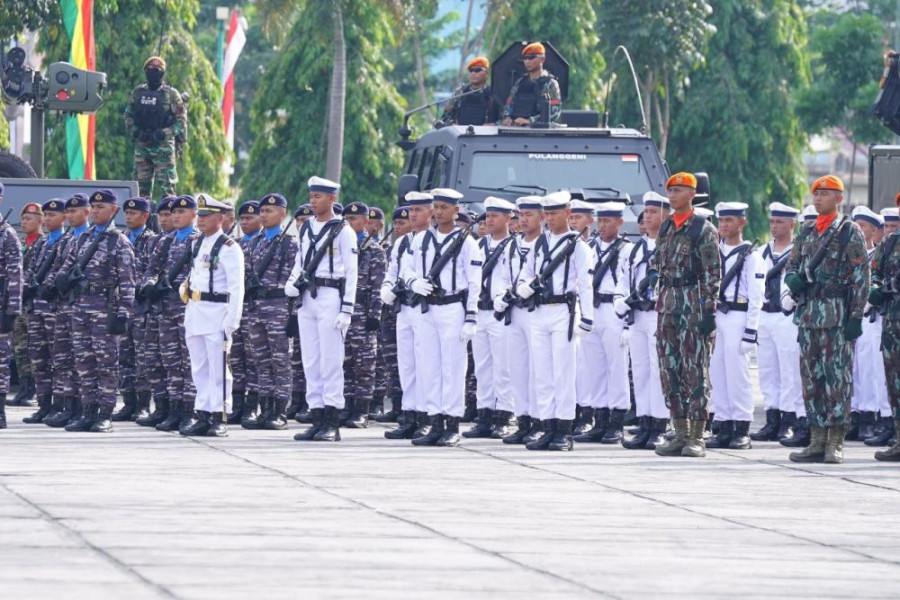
{"points": [[485, 305], [448, 299], [328, 283], [556, 299], [604, 298], [726, 307], [94, 290], [273, 293], [197, 296], [686, 281], [771, 308]]}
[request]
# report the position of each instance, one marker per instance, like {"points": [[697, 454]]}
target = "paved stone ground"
{"points": [[139, 514]]}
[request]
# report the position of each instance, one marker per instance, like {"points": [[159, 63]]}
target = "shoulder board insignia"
{"points": [[229, 241]]}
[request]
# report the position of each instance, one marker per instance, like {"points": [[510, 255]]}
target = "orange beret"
{"points": [[155, 61], [534, 48], [32, 208], [479, 61], [897, 200], [683, 179], [827, 182]]}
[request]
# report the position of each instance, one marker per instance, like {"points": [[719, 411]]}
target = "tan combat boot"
{"points": [[815, 452], [674, 446], [695, 447], [834, 447], [892, 454]]}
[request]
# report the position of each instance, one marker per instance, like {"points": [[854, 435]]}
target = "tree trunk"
{"points": [[464, 53], [647, 93], [417, 47], [337, 93], [849, 190]]}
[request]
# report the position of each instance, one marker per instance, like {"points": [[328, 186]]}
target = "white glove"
{"points": [[584, 328], [747, 348], [387, 293], [183, 291], [787, 302], [621, 307], [524, 290], [867, 308], [290, 291], [468, 332], [421, 287], [625, 338], [342, 322], [500, 305]]}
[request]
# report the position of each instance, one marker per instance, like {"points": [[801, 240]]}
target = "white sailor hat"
{"points": [[777, 209], [809, 213], [891, 214], [493, 204], [556, 200], [580, 207], [418, 198], [528, 203], [652, 198], [610, 209], [207, 205], [447, 195], [320, 184], [700, 211], [731, 209], [864, 213]]}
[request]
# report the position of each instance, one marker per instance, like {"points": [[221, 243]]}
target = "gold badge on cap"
{"points": [[98, 196], [183, 202], [250, 209], [202, 202]]}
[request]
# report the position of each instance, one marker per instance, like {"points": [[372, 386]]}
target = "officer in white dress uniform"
{"points": [[324, 280], [214, 292]]}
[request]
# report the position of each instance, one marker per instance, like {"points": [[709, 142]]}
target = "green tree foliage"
{"points": [[4, 133], [126, 33], [291, 106], [18, 15], [737, 121]]}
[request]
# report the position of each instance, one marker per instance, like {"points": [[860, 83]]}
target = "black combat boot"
{"points": [[44, 403], [601, 422], [483, 425], [723, 437], [25, 395], [160, 412], [406, 430], [142, 410], [237, 407], [501, 427], [523, 426], [769, 431], [800, 435], [658, 429], [424, 424], [614, 432], [293, 407], [173, 419], [277, 420], [188, 417], [882, 438], [547, 435], [376, 406], [331, 426], [434, 433], [631, 417], [218, 427], [562, 436], [317, 416], [639, 439], [2, 415], [103, 421], [536, 431], [359, 414], [867, 420], [471, 412], [199, 425], [61, 418], [302, 415], [391, 416], [57, 407], [86, 419], [852, 434], [130, 403], [584, 419], [450, 437], [266, 406], [788, 421], [250, 418], [741, 438], [77, 412]]}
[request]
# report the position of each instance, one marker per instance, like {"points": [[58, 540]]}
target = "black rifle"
{"points": [[37, 278], [74, 281], [253, 286], [733, 272], [602, 269], [636, 297], [164, 283], [773, 282], [434, 273], [306, 280], [488, 267], [542, 283], [400, 291], [808, 272]]}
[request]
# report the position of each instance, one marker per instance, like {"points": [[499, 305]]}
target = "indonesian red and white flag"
{"points": [[234, 43]]}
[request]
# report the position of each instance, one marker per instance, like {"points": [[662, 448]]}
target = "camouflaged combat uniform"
{"points": [[156, 120], [885, 295], [135, 370], [526, 96]]}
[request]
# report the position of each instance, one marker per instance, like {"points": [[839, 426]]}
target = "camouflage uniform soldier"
{"points": [[242, 370], [688, 268], [99, 275], [32, 221], [269, 264], [41, 314], [529, 92], [156, 120], [362, 341], [474, 109], [65, 378], [828, 276], [11, 273]]}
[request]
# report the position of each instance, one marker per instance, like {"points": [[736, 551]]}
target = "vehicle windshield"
{"points": [[513, 171]]}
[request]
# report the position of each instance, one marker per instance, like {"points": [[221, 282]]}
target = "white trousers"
{"points": [[322, 347], [441, 359], [406, 358], [869, 381], [211, 375], [490, 351], [602, 376], [648, 395], [553, 362], [731, 394], [778, 362], [521, 375]]}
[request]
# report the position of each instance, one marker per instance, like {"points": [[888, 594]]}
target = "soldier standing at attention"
{"points": [[156, 120], [243, 370], [32, 226], [828, 275], [536, 86], [375, 228], [11, 276], [474, 109], [104, 296], [688, 269]]}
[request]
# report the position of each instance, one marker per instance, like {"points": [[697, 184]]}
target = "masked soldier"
{"points": [[473, 109], [828, 275], [243, 370], [156, 120], [536, 88]]}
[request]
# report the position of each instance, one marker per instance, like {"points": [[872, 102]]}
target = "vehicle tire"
{"points": [[13, 167]]}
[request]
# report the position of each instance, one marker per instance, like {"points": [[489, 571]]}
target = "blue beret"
{"points": [[480, 218], [185, 201], [249, 208], [356, 209], [400, 213], [54, 205], [464, 217], [106, 196], [273, 200], [338, 208], [303, 211], [77, 201], [376, 213], [165, 204], [137, 203]]}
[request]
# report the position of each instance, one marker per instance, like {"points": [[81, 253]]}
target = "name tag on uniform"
{"points": [[354, 250], [760, 275], [476, 263]]}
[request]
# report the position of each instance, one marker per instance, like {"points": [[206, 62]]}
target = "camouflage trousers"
{"points": [[174, 354], [387, 372], [96, 352], [826, 374], [65, 378], [20, 345], [269, 348], [154, 164], [5, 356], [684, 365], [127, 363], [360, 347], [149, 359], [890, 350], [41, 328], [242, 370], [298, 377]]}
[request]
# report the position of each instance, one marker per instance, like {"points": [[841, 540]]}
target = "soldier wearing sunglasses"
{"points": [[537, 85], [474, 109]]}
